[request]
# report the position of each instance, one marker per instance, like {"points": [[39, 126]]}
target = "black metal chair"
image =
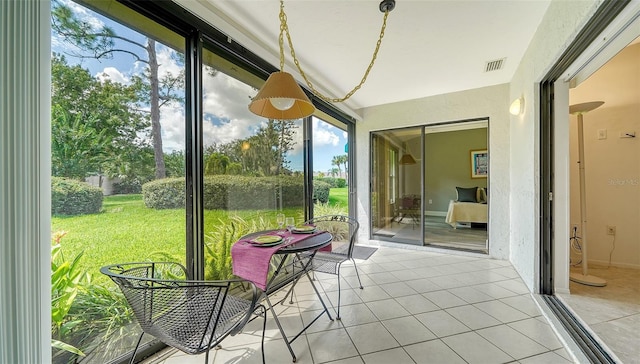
{"points": [[342, 228], [189, 315]]}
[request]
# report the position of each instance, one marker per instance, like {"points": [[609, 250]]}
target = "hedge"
{"points": [[247, 193], [71, 197], [332, 181]]}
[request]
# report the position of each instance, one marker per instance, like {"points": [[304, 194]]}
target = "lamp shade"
{"points": [[282, 87], [407, 159]]}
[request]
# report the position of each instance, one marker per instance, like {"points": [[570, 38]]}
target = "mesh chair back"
{"points": [[191, 316], [341, 227]]}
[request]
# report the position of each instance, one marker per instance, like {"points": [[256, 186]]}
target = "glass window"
{"points": [[331, 167], [118, 161], [253, 167]]}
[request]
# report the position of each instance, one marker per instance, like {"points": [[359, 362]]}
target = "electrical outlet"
{"points": [[611, 230]]}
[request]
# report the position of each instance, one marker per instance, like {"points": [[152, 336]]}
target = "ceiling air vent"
{"points": [[494, 65]]}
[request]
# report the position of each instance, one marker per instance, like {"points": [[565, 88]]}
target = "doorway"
{"points": [[430, 185], [609, 299], [603, 319]]}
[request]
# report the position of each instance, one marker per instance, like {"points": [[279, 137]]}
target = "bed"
{"points": [[472, 212], [470, 207]]}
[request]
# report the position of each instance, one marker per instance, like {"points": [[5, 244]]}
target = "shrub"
{"points": [[127, 187], [224, 192], [168, 193], [71, 197], [333, 182], [321, 191]]}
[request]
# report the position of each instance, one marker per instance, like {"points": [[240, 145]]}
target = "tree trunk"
{"points": [[156, 129]]}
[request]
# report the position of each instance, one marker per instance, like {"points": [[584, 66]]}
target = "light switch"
{"points": [[602, 133]]}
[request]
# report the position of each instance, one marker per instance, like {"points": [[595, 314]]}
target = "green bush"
{"points": [[167, 193], [127, 187], [332, 181], [224, 192], [71, 197], [321, 191]]}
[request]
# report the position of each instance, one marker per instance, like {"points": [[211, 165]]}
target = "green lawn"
{"points": [[339, 196], [127, 231]]}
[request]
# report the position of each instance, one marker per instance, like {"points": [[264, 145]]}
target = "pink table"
{"points": [[295, 260]]}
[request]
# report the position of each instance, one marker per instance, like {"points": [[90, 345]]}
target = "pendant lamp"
{"points": [[281, 97], [584, 277], [407, 158]]}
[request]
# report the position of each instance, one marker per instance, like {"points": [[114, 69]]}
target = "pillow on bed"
{"points": [[483, 195], [467, 194]]}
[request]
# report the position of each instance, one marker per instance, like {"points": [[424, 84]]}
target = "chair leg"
{"points": [[264, 328], [135, 351], [357, 274], [338, 315]]}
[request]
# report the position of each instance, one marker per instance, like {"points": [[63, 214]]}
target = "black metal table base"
{"points": [[275, 285]]}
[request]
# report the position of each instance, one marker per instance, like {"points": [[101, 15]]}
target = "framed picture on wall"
{"points": [[479, 163]]}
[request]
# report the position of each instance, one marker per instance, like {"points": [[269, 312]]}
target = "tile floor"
{"points": [[611, 312], [416, 307]]}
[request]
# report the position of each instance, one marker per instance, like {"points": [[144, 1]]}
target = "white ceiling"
{"points": [[430, 47]]}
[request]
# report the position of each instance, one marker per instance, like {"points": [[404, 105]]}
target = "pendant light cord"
{"points": [[284, 29]]}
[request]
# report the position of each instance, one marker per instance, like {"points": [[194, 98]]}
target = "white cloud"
{"points": [[228, 99], [113, 74], [172, 123], [324, 134], [166, 63]]}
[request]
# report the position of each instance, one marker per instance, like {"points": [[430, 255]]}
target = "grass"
{"points": [[127, 231], [339, 196]]}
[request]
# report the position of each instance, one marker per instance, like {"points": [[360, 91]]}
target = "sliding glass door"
{"points": [[429, 185]]}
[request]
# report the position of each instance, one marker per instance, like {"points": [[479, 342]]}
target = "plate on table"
{"points": [[303, 229], [266, 240]]}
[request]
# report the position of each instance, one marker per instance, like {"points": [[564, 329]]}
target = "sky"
{"points": [[225, 103]]}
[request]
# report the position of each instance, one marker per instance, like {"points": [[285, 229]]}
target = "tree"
{"points": [[95, 125], [337, 161], [77, 149], [103, 43], [344, 159]]}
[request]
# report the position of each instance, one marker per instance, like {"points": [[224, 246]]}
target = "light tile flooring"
{"points": [[612, 312], [416, 307]]}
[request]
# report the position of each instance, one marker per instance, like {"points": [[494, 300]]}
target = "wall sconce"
{"points": [[517, 106]]}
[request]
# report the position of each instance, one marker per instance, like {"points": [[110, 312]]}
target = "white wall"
{"points": [[491, 102], [557, 30], [612, 165]]}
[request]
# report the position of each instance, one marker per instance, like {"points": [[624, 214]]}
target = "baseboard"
{"points": [[436, 213], [605, 264]]}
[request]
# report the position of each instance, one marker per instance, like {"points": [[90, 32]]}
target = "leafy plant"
{"points": [[65, 285], [83, 314], [218, 244]]}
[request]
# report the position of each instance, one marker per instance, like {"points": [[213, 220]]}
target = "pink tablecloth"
{"points": [[252, 262]]}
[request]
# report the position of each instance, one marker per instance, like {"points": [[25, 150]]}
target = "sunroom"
{"points": [[513, 165]]}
